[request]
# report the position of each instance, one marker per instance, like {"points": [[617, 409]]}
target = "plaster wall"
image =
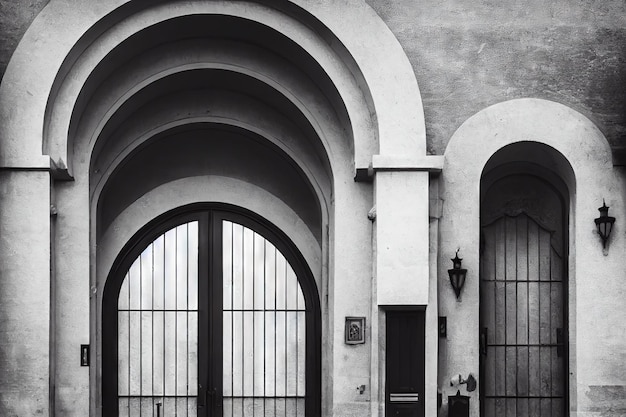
{"points": [[15, 17], [470, 55], [596, 338], [401, 237], [25, 293]]}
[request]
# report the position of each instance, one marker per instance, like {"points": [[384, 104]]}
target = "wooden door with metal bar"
{"points": [[523, 301]]}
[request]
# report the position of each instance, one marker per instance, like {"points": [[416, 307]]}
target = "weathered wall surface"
{"points": [[15, 17], [466, 56], [470, 55]]}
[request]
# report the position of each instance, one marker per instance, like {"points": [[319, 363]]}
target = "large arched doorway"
{"points": [[523, 292], [211, 311]]}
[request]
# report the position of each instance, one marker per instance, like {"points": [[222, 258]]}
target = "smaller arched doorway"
{"points": [[210, 310], [523, 286]]}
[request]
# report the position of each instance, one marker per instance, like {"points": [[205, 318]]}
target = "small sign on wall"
{"points": [[355, 330], [443, 327], [84, 355]]}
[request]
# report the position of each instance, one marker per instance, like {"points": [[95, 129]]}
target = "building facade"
{"points": [[250, 208]]}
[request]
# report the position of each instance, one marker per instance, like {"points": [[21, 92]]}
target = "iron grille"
{"points": [[163, 347]]}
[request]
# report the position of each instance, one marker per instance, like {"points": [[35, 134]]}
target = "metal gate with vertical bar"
{"points": [[523, 307], [215, 316]]}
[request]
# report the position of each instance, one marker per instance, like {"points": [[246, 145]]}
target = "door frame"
{"points": [[561, 190], [209, 215]]}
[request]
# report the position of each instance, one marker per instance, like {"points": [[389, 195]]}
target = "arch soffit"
{"points": [[129, 143], [395, 108], [210, 129], [203, 189], [93, 133], [294, 93]]}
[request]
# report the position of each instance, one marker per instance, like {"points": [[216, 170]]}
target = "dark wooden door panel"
{"points": [[405, 364]]}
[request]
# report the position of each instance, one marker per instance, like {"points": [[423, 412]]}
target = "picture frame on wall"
{"points": [[355, 330]]}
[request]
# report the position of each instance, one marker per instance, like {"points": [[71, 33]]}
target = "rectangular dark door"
{"points": [[405, 364]]}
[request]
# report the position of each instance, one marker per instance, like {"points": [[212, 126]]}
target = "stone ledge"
{"points": [[430, 163]]}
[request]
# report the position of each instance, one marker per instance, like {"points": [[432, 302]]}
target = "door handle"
{"points": [[201, 396], [212, 396], [483, 341], [559, 342]]}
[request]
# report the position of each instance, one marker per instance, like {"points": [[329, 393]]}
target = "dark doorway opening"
{"points": [[405, 366], [523, 293]]}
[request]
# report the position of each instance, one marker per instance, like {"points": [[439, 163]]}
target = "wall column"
{"points": [[402, 251], [25, 290]]}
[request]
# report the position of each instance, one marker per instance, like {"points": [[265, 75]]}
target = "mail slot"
{"points": [[405, 397], [458, 405]]}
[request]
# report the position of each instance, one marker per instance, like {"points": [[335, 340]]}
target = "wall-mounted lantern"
{"points": [[457, 274], [604, 223], [470, 381]]}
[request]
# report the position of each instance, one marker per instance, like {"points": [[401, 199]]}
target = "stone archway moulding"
{"points": [[587, 170], [28, 86], [534, 120]]}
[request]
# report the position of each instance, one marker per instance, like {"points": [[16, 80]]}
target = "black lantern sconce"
{"points": [[457, 274], [604, 223]]}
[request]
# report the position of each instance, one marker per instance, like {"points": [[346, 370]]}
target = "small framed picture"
{"points": [[355, 330]]}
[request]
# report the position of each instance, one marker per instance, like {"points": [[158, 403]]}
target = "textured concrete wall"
{"points": [[24, 293], [469, 55], [15, 17]]}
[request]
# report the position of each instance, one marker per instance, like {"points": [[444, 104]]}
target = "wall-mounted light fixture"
{"points": [[458, 380], [457, 274], [604, 223]]}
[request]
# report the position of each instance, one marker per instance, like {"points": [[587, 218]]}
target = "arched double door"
{"points": [[523, 298], [211, 312]]}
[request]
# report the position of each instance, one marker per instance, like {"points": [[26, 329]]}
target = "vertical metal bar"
{"points": [[264, 322], [232, 321], [506, 281], [187, 325], [164, 314], [297, 337], [286, 337], [516, 317], [496, 278], [128, 277], [152, 318], [243, 321], [275, 338], [253, 321], [176, 322], [528, 308], [550, 316], [140, 331], [539, 280]]}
